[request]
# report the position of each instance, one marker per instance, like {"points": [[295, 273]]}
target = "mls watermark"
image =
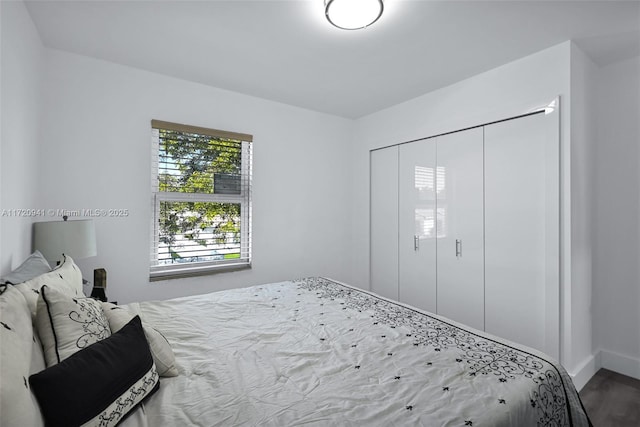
{"points": [[71, 213]]}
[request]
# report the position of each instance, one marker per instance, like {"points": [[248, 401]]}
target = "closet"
{"points": [[466, 225]]}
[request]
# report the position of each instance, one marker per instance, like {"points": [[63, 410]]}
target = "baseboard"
{"points": [[620, 363], [586, 370]]}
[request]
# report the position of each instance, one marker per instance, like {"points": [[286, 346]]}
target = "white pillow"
{"points": [[160, 347], [68, 324], [65, 278], [17, 405], [33, 266]]}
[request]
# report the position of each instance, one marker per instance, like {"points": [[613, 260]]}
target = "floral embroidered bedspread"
{"points": [[318, 352]]}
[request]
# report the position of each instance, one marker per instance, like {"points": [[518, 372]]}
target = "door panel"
{"points": [[522, 231], [417, 224], [460, 241]]}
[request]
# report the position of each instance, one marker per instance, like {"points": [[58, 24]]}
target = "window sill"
{"points": [[191, 271]]}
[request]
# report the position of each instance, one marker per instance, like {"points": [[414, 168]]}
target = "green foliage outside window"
{"points": [[188, 163]]}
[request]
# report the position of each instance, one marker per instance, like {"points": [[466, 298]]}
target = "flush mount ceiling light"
{"points": [[352, 14]]}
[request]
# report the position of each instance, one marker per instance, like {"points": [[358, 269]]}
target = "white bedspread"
{"points": [[317, 352]]}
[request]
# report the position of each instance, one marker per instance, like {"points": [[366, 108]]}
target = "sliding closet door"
{"points": [[417, 224], [460, 242], [522, 231], [384, 222]]}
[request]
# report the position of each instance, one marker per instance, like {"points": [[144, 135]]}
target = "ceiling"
{"points": [[286, 51]]}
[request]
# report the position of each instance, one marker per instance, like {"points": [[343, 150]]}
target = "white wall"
{"points": [[617, 231], [500, 93], [22, 58], [583, 100], [96, 154]]}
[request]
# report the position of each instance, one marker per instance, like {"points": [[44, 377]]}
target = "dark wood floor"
{"points": [[612, 400]]}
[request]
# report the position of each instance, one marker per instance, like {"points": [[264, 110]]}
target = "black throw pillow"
{"points": [[100, 384]]}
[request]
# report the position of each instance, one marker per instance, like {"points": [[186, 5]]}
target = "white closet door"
{"points": [[417, 224], [384, 222], [460, 242], [522, 231]]}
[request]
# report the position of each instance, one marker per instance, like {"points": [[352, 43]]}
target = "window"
{"points": [[201, 195]]}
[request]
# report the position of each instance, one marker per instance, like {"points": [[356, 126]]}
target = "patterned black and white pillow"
{"points": [[99, 385], [17, 405], [65, 278], [67, 324]]}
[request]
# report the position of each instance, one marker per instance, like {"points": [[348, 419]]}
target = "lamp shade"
{"points": [[74, 238]]}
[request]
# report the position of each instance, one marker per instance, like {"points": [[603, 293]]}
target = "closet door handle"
{"points": [[458, 248], [416, 243]]}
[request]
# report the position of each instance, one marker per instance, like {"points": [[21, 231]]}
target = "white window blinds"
{"points": [[201, 195]]}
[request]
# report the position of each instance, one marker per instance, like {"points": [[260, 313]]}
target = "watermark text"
{"points": [[71, 213]]}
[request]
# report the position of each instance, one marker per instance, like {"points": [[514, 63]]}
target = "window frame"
{"points": [[244, 199]]}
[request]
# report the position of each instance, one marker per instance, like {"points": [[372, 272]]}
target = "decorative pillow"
{"points": [[100, 384], [160, 347], [65, 278], [33, 266], [17, 405], [68, 324], [37, 355]]}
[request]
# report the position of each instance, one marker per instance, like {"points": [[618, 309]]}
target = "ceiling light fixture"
{"points": [[352, 14]]}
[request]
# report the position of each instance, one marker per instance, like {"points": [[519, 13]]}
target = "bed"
{"points": [[315, 351]]}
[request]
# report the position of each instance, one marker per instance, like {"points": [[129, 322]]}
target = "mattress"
{"points": [[318, 352]]}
